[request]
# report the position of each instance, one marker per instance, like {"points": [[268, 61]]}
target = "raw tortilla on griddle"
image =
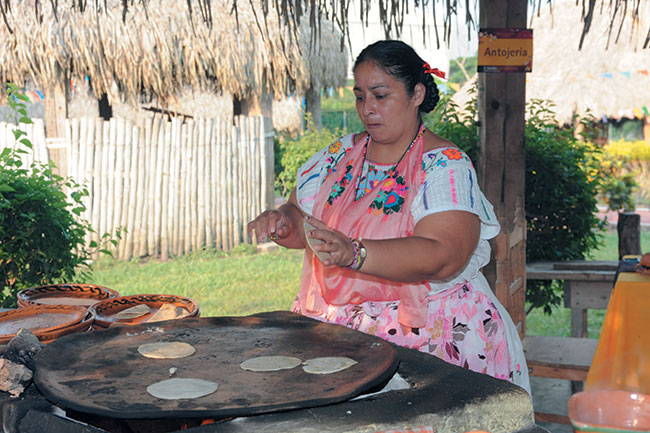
{"points": [[177, 388], [328, 364], [270, 363], [166, 350]]}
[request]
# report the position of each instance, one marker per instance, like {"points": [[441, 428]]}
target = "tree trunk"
{"points": [[629, 234], [312, 105]]}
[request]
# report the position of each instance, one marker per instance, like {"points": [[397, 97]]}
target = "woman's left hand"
{"points": [[337, 244]]}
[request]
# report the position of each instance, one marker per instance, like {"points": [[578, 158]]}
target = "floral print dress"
{"points": [[458, 320]]}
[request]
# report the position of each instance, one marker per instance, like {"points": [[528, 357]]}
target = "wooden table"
{"points": [[587, 284]]}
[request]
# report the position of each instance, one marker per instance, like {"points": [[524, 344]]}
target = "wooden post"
{"points": [[103, 187], [194, 167], [134, 177], [165, 226], [629, 234], [58, 150], [502, 164], [187, 189], [56, 113], [74, 165], [127, 178], [206, 182], [222, 186], [139, 233], [87, 175], [56, 109], [118, 179], [97, 179], [174, 184]]}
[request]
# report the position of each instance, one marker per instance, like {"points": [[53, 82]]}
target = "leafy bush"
{"points": [[626, 172], [561, 196], [456, 125], [618, 186], [339, 111], [291, 154], [460, 70], [41, 234], [631, 150]]}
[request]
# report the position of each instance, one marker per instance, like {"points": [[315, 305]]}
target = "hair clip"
{"points": [[435, 71]]}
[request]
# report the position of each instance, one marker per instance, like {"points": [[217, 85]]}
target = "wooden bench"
{"points": [[587, 285], [559, 357], [566, 358]]}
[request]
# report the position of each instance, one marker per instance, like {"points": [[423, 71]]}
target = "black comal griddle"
{"points": [[102, 372]]}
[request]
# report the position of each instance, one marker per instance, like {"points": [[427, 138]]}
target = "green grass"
{"points": [[609, 251], [243, 282], [235, 284]]}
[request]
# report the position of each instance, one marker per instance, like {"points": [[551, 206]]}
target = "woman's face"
{"points": [[385, 109]]}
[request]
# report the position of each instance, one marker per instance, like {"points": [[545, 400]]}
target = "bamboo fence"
{"points": [[175, 186]]}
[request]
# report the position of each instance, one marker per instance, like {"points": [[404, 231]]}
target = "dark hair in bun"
{"points": [[402, 62]]}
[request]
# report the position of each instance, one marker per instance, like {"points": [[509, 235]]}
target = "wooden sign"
{"points": [[505, 50]]}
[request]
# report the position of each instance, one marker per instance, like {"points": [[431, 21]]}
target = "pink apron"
{"points": [[322, 285]]}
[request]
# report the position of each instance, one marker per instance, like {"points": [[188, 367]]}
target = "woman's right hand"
{"points": [[270, 225]]}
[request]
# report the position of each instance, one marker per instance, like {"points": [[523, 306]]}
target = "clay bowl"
{"points": [[609, 411], [46, 322], [106, 310], [65, 294], [86, 324]]}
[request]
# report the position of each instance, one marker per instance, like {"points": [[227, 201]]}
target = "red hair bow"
{"points": [[435, 71]]}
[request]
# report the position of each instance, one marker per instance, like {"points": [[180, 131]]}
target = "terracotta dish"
{"points": [[65, 294], [610, 411], [106, 310], [46, 322]]}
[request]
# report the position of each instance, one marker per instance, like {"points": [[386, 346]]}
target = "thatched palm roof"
{"points": [[605, 77], [390, 15], [160, 48]]}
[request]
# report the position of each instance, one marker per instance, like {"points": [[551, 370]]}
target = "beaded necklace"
{"points": [[392, 172]]}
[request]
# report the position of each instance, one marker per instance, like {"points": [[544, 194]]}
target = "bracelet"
{"points": [[359, 255]]}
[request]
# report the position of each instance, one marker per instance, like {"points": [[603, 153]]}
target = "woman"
{"points": [[398, 227]]}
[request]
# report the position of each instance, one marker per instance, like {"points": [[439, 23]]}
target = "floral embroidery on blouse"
{"points": [[335, 147], [441, 159], [371, 179], [453, 153], [333, 159], [339, 186], [391, 196]]}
